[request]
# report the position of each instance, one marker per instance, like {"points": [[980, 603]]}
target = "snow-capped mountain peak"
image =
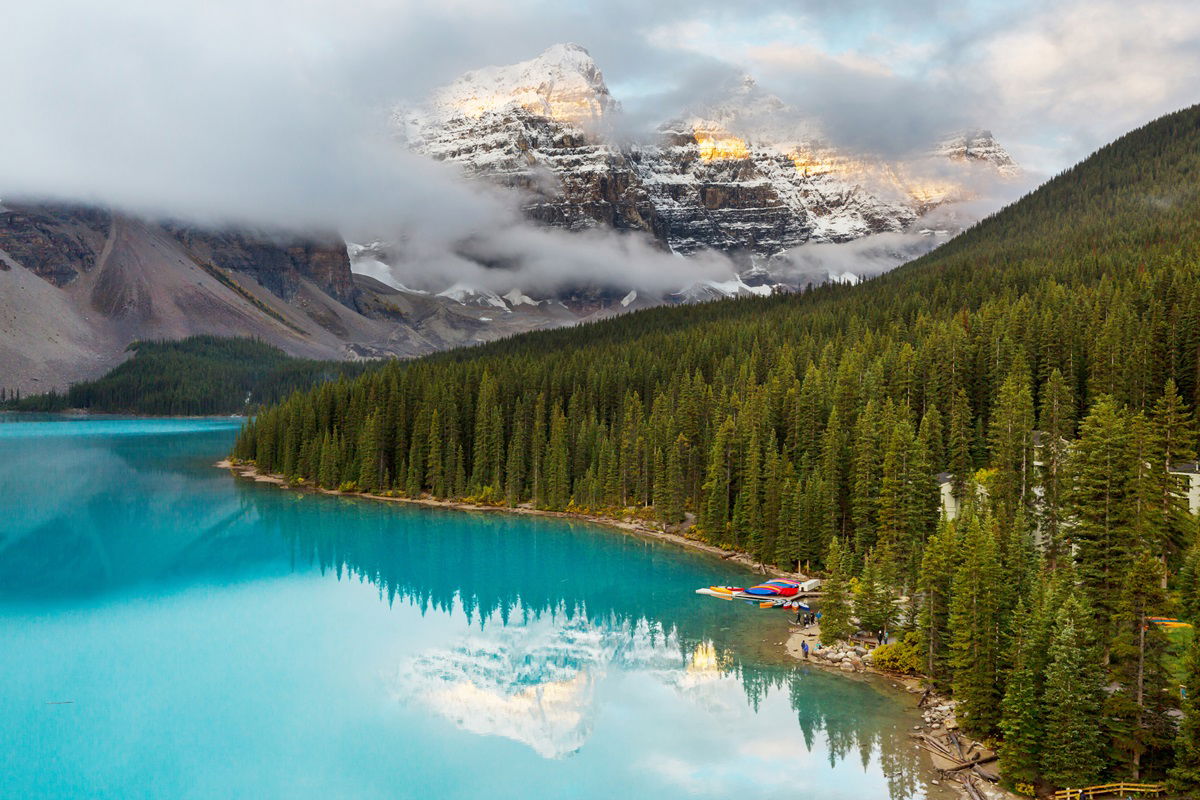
{"points": [[980, 147], [563, 84], [742, 173], [743, 111]]}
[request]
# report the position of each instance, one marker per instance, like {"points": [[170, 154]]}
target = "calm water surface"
{"points": [[168, 631]]}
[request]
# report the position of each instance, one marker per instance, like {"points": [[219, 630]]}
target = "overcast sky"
{"points": [[273, 111]]}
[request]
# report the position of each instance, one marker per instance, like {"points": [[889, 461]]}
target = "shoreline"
{"points": [[87, 412], [935, 711], [908, 685], [625, 525]]}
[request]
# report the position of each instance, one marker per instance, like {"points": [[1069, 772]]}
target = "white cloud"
{"points": [[1076, 74], [256, 112]]}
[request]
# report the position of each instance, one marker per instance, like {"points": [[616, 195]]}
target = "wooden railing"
{"points": [[1109, 788]]}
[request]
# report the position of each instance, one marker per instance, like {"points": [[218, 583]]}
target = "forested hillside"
{"points": [[1048, 360], [192, 376]]}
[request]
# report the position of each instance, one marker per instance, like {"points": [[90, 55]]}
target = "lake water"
{"points": [[169, 631]]}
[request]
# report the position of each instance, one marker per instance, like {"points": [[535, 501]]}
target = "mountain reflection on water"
{"points": [[580, 645], [550, 617]]}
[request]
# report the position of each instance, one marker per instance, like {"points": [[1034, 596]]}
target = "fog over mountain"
{"points": [[261, 113], [719, 149]]}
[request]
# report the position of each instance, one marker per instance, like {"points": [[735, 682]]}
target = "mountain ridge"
{"points": [[78, 284], [744, 175]]}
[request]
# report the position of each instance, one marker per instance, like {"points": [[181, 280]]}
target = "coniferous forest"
{"points": [[192, 376], [1044, 366]]}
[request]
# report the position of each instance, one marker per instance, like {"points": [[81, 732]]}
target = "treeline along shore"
{"points": [[1036, 378]]}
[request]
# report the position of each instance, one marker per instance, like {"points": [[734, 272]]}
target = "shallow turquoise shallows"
{"points": [[169, 631]]}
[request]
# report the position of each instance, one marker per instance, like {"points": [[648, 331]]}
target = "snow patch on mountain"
{"points": [[980, 147], [703, 291], [516, 298], [471, 296]]}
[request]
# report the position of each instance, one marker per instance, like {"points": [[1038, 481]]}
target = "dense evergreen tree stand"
{"points": [[1045, 360], [1185, 775], [1072, 752], [195, 376]]}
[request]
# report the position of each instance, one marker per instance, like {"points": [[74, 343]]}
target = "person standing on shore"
{"points": [[804, 649]]}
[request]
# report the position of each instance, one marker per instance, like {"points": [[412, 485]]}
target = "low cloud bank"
{"points": [[544, 261], [851, 262]]}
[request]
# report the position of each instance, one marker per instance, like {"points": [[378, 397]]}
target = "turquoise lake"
{"points": [[167, 630]]}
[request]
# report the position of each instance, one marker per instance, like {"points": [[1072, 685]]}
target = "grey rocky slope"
{"points": [[78, 284]]}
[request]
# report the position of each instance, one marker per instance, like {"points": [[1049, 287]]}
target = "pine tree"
{"points": [[1185, 775], [794, 516], [1136, 712], [558, 479], [1174, 434], [1189, 584], [460, 472], [924, 498], [370, 468], [327, 474], [866, 487], [772, 493], [975, 630], [890, 498], [291, 448], [938, 568], [958, 445], [1146, 486], [675, 489], [874, 604], [537, 450], [1072, 757], [806, 415], [435, 473], [1021, 712], [933, 434], [417, 456], [1057, 423], [1011, 440], [835, 596], [1101, 504], [718, 484], [514, 468], [630, 451], [833, 466], [488, 435], [747, 514]]}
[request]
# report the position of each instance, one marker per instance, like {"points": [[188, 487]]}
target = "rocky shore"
{"points": [[939, 723]]}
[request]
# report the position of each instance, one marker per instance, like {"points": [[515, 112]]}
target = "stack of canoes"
{"points": [[777, 593], [1167, 622]]}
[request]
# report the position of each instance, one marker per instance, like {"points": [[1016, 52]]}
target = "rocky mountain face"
{"points": [[281, 266], [745, 175], [79, 284], [540, 127]]}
